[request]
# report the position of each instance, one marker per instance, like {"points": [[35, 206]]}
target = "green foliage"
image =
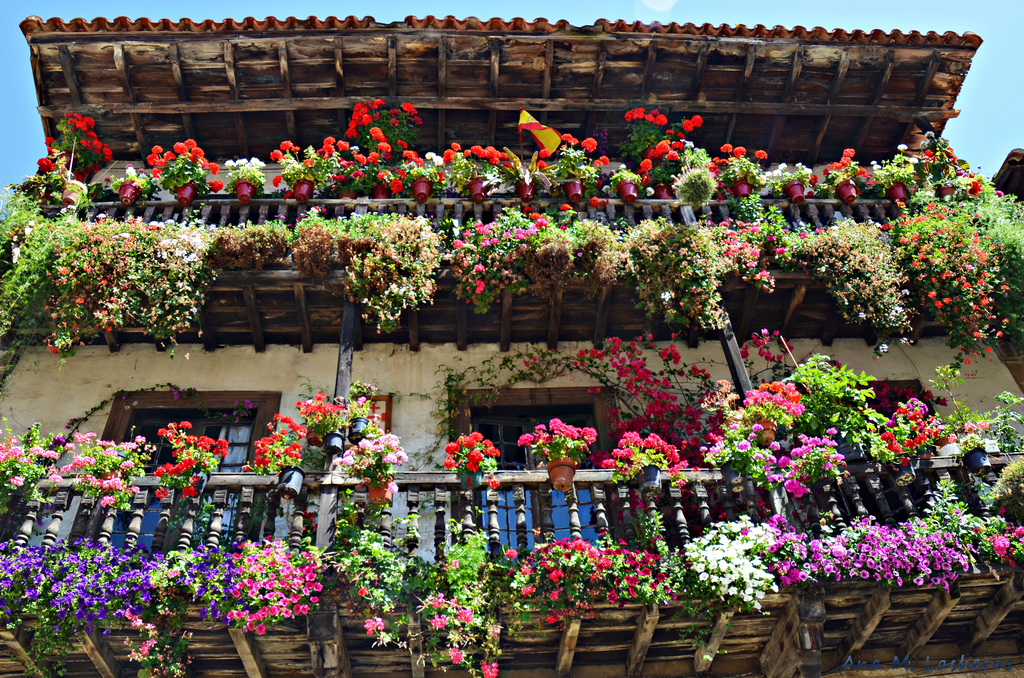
{"points": [[834, 396], [1009, 491], [1002, 219]]}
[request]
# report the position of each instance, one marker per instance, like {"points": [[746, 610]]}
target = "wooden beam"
{"points": [[698, 71], [206, 332], [129, 93], [652, 56], [49, 127], [603, 307], [595, 91], [414, 330], [810, 635], [179, 82], [549, 60], [286, 86], [863, 626], [255, 325], [787, 95], [245, 645], [327, 645], [495, 63], [339, 66], [555, 319], [741, 91], [833, 95], [567, 648], [646, 622], [442, 90], [704, 653], [111, 338], [415, 631], [17, 642], [779, 658], [305, 327], [995, 612], [731, 349], [941, 605], [505, 336], [876, 97], [392, 66], [828, 335], [794, 304], [923, 87], [102, 656], [232, 76], [67, 64], [693, 336], [461, 340], [747, 314]]}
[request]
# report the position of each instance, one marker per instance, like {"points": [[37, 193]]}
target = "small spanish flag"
{"points": [[542, 134]]}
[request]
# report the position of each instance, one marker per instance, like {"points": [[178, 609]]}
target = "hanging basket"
{"points": [[379, 495], [302, 190], [477, 192], [573, 190], [289, 481], [244, 191], [524, 191], [650, 482], [561, 473], [334, 442]]}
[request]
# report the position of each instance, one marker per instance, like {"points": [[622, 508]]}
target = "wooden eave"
{"points": [[802, 94]]}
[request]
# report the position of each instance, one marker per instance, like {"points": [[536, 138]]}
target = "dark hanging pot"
{"points": [[302, 190], [897, 192], [476, 189], [289, 481], [561, 472], [646, 153], [573, 190], [379, 495], [977, 461], [186, 194], [846, 191], [650, 482], [244, 191], [741, 189], [128, 193], [850, 451], [794, 190], [421, 189], [945, 191], [902, 475], [347, 194], [381, 192], [524, 191], [200, 483], [356, 427], [663, 192], [627, 191], [334, 442], [732, 479]]}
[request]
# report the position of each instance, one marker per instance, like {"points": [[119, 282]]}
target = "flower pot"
{"points": [[473, 480], [561, 472], [314, 439], [767, 436], [302, 190], [945, 447], [646, 153], [902, 475], [732, 479], [379, 495], [334, 442], [524, 191], [897, 192], [347, 194], [200, 483], [289, 481], [73, 192], [847, 191], [186, 194], [421, 189], [742, 189], [945, 191], [794, 190], [850, 451], [627, 191], [650, 482], [356, 427], [128, 193], [663, 192], [573, 191], [381, 192], [476, 189], [977, 461], [244, 191]]}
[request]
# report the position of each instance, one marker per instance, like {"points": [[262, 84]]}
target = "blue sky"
{"points": [[991, 101]]}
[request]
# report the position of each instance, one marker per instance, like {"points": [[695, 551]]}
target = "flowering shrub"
{"points": [[24, 461], [901, 169], [574, 249], [634, 453], [836, 397], [375, 459], [316, 165], [644, 131], [488, 259], [472, 454], [844, 169], [573, 164], [193, 455], [280, 450], [558, 440], [188, 165], [375, 129], [736, 166], [476, 162], [274, 584], [773, 401], [105, 469], [908, 429], [323, 414], [77, 150], [250, 171]]}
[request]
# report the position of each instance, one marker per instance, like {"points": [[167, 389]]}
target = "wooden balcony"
{"points": [[807, 630]]}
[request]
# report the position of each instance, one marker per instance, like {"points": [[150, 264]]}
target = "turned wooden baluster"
{"points": [[519, 499], [965, 479], [188, 525], [61, 503], [493, 527], [245, 502], [359, 499], [851, 488], [215, 534], [875, 487], [927, 491], [810, 501], [678, 515], [412, 537], [105, 526], [298, 520], [385, 523], [627, 515], [600, 512], [701, 493], [270, 518], [25, 532], [725, 498], [904, 496], [546, 522], [813, 216], [139, 504], [575, 529], [468, 519], [832, 505], [163, 521], [750, 498], [440, 502]]}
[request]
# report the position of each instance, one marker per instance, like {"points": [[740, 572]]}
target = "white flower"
{"points": [[884, 348], [901, 147]]}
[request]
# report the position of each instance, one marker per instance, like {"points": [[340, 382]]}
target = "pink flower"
{"points": [[466, 615], [439, 622], [795, 487], [511, 553], [490, 670], [17, 481], [457, 655], [373, 624]]}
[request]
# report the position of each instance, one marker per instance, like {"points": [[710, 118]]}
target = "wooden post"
{"points": [[863, 626], [567, 648], [936, 612], [704, 653], [646, 622], [992, 616], [250, 655], [327, 644]]}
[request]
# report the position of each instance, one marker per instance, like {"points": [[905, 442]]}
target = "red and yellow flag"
{"points": [[542, 134]]}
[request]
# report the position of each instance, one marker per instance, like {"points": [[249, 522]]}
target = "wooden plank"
{"points": [[495, 65], [652, 56], [883, 81], [415, 631], [286, 85], [567, 648], [995, 612], [206, 332], [741, 91], [778, 660], [747, 314], [923, 87], [414, 330], [327, 645], [601, 324], [549, 59], [392, 66], [704, 653], [833, 95], [174, 57], [250, 655], [646, 622], [810, 634], [794, 304], [229, 69], [129, 92], [101, 655], [828, 335], [698, 71], [305, 328], [111, 339], [255, 325], [787, 95], [555, 319], [442, 70], [693, 336], [505, 335], [339, 66], [863, 626], [731, 348], [67, 64], [17, 642], [938, 609], [461, 340], [346, 348]]}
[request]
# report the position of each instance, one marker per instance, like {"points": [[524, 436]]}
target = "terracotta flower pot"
{"points": [[897, 192], [847, 191], [945, 447], [767, 436], [573, 191], [646, 153], [128, 193], [302, 190], [794, 190], [381, 192], [476, 189], [663, 192], [314, 439], [244, 191], [627, 190], [561, 472], [524, 191], [71, 196], [186, 194], [379, 495], [945, 191], [741, 189], [289, 481], [347, 194], [421, 189]]}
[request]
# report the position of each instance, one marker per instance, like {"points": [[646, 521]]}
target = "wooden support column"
{"points": [[923, 87], [461, 332], [810, 635], [828, 335], [101, 655], [206, 332], [442, 90], [863, 626], [555, 319], [601, 324], [567, 648], [17, 642], [731, 348], [545, 87], [595, 91], [794, 304], [255, 324], [245, 645], [883, 80], [747, 314], [229, 69], [936, 612], [505, 337], [305, 327], [652, 56], [286, 87], [993, 615], [833, 95], [787, 93], [414, 329], [67, 64], [646, 622], [698, 71], [179, 83], [111, 338], [492, 117], [741, 91], [129, 93], [327, 644], [779, 658], [705, 653]]}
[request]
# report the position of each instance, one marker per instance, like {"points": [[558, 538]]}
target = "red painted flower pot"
{"points": [[348, 194], [302, 190], [381, 192], [186, 194], [561, 473], [794, 190], [476, 190], [663, 192], [573, 191], [646, 153], [379, 495], [69, 197], [243, 189], [897, 192], [846, 191], [627, 190], [945, 191], [421, 189], [741, 189], [525, 191], [128, 193]]}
